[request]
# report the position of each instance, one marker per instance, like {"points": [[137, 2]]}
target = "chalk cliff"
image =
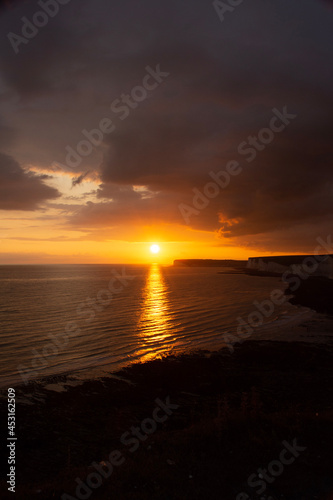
{"points": [[321, 265]]}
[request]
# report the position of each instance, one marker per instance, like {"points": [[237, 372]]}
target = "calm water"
{"points": [[160, 310]]}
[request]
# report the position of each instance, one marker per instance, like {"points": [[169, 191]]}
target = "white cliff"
{"points": [[309, 264]]}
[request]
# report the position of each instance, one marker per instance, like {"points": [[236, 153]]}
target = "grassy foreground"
{"points": [[234, 411]]}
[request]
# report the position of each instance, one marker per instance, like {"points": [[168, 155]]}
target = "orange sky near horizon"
{"points": [[32, 250], [43, 236], [48, 252]]}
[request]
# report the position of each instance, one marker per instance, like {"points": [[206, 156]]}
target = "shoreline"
{"points": [[316, 328], [314, 293], [313, 298]]}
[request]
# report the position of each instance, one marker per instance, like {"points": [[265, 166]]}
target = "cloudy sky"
{"points": [[219, 80]]}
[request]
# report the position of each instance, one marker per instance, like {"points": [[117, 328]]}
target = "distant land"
{"points": [[209, 263], [312, 265]]}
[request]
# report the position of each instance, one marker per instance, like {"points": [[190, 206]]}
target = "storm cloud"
{"points": [[225, 79], [20, 190]]}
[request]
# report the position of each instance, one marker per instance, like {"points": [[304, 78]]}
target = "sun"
{"points": [[155, 248]]}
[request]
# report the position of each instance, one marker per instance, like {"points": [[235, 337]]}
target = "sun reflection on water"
{"points": [[153, 323]]}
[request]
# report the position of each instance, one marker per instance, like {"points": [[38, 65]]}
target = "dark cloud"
{"points": [[20, 190], [80, 179], [10, 4], [225, 78]]}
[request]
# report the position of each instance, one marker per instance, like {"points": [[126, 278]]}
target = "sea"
{"points": [[91, 320]]}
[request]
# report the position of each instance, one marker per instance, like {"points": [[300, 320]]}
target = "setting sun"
{"points": [[154, 248]]}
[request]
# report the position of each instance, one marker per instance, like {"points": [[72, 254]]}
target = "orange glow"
{"points": [[44, 237], [154, 319]]}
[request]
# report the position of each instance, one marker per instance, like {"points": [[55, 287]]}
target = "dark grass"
{"points": [[234, 412], [316, 293]]}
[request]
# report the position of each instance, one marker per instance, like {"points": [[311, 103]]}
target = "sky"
{"points": [[175, 94]]}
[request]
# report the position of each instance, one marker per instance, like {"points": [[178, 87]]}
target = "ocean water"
{"points": [[93, 319]]}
